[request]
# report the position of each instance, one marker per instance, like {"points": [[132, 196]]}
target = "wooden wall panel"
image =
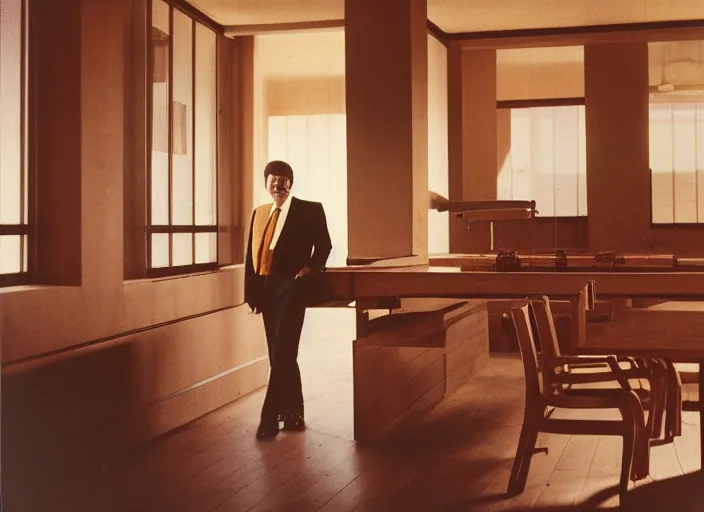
{"points": [[107, 397]]}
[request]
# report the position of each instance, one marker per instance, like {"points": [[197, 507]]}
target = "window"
{"points": [[676, 111], [315, 146], [182, 179], [677, 162], [546, 160], [14, 176]]}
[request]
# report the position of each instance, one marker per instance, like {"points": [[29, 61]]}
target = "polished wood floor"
{"points": [[458, 458]]}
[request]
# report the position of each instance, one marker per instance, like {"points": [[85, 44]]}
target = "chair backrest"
{"points": [[521, 321], [545, 327]]}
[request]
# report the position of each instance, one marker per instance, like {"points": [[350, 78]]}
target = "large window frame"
{"points": [[19, 227], [195, 230]]}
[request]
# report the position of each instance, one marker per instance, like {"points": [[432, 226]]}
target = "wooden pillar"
{"points": [[55, 122], [386, 58], [472, 138], [617, 120]]}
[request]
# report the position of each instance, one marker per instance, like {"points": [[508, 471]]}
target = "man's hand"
{"points": [[304, 272]]}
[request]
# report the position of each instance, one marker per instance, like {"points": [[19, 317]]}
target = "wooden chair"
{"points": [[537, 415], [562, 372]]}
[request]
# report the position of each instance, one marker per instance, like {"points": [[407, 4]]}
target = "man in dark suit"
{"points": [[288, 247]]}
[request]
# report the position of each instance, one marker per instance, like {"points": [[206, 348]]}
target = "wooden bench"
{"points": [[407, 362]]}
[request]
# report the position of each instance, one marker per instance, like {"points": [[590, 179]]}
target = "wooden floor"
{"points": [[459, 458]]}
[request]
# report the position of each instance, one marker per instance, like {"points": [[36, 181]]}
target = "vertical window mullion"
{"points": [[23, 126], [150, 126], [171, 130], [193, 138], [217, 148]]}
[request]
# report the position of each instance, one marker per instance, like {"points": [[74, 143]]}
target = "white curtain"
{"points": [[677, 162], [316, 148], [547, 161]]}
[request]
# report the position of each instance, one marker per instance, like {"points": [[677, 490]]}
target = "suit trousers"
{"points": [[283, 311]]}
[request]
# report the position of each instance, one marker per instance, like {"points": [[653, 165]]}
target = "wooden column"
{"points": [[56, 124], [472, 138], [617, 120], [386, 60]]}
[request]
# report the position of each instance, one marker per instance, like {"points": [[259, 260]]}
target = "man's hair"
{"points": [[278, 168]]}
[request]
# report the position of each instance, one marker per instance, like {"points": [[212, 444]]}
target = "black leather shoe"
{"points": [[294, 422], [267, 430]]}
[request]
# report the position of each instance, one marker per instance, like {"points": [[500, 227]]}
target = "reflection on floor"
{"points": [[459, 459]]}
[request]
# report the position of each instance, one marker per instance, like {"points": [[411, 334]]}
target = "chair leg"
{"points": [[641, 456], [627, 455], [527, 458], [673, 405], [659, 398], [524, 453], [672, 408]]}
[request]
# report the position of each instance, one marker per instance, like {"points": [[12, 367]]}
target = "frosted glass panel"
{"points": [[182, 121], [206, 247], [160, 250], [183, 249], [206, 121], [547, 160], [10, 254], [315, 147], [160, 114]]}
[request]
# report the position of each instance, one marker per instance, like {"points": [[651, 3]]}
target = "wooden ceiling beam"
{"points": [[275, 28], [575, 36]]}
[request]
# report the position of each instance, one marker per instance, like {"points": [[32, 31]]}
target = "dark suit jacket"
{"points": [[304, 241]]}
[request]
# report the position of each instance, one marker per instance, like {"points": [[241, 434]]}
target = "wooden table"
{"points": [[402, 371], [381, 287], [671, 333]]}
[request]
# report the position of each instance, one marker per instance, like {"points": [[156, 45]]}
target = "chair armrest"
{"points": [[618, 373]]}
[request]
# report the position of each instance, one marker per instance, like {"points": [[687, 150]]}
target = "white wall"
{"points": [[540, 73]]}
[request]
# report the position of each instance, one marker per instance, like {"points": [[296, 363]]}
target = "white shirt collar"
{"points": [[284, 207]]}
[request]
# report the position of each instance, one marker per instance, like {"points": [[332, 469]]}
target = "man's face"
{"points": [[279, 187]]}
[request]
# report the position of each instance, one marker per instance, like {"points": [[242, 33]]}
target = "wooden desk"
{"points": [[387, 363], [669, 333]]}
